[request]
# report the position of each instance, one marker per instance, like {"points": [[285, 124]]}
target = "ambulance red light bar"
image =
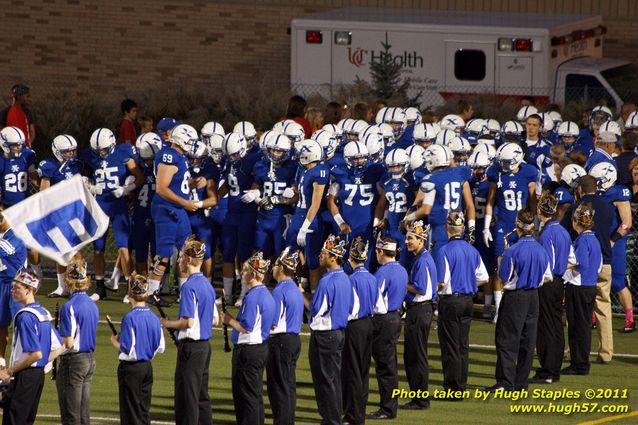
{"points": [[579, 35], [516, 44], [523, 45], [314, 37]]}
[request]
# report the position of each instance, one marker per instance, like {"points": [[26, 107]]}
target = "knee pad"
{"points": [[157, 263]]}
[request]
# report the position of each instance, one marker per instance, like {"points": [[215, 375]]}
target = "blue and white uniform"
{"points": [[14, 173], [56, 172], [423, 278], [598, 156], [109, 173], [33, 332], [557, 243], [618, 193], [257, 316], [200, 220], [172, 226], [459, 266], [525, 265], [587, 260], [78, 319], [141, 336], [399, 194], [13, 257], [289, 307], [197, 302], [392, 281], [479, 194], [142, 226], [365, 292], [331, 302]]}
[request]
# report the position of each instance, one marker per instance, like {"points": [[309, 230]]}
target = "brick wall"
{"points": [[114, 46]]}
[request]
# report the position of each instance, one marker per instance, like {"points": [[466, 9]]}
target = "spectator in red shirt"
{"points": [[128, 134], [18, 114], [296, 111]]}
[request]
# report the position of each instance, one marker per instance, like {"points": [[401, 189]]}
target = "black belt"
{"points": [[456, 294], [361, 318], [411, 305], [134, 361]]}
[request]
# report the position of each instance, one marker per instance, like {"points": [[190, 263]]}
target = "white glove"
{"points": [[487, 237], [129, 180], [288, 193], [250, 196], [118, 192], [301, 236], [95, 189]]}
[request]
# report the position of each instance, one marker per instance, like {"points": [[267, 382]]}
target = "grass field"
{"points": [[622, 374]]}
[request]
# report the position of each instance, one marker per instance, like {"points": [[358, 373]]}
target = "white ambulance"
{"points": [[555, 58]]}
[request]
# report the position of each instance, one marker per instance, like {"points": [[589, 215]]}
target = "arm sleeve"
{"points": [[506, 267], [421, 278], [322, 176], [248, 314], [441, 267], [126, 336], [66, 321], [481, 271], [29, 332], [186, 303]]}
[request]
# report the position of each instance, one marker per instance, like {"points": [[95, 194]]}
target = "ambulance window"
{"points": [[587, 88], [469, 65]]}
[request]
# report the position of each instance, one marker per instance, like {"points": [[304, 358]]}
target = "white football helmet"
{"points": [[611, 127], [387, 133], [278, 148], [234, 146], [479, 159], [632, 121], [599, 115], [571, 173], [397, 119], [525, 112], [336, 130], [375, 147], [328, 142], [356, 155], [556, 117], [369, 130], [380, 118], [436, 156], [216, 147], [263, 139], [65, 147], [567, 129], [486, 148], [511, 131], [460, 148], [309, 151], [412, 115], [147, 145], [444, 136], [294, 131], [279, 126], [452, 122], [356, 128], [415, 153], [397, 163], [493, 126], [197, 155], [425, 133], [209, 129], [103, 142], [509, 156], [184, 136], [247, 129], [547, 123], [605, 174], [475, 128], [12, 141]]}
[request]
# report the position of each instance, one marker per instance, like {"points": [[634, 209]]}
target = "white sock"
{"points": [[497, 299], [153, 286], [117, 273], [237, 274], [488, 299], [244, 290], [228, 286], [61, 284], [180, 281]]}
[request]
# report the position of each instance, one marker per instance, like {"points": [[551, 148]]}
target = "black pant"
{"points": [[283, 353], [192, 403], [387, 329], [248, 381], [516, 337], [324, 354], [580, 302], [550, 342], [355, 372], [135, 381], [455, 317], [23, 395], [415, 354]]}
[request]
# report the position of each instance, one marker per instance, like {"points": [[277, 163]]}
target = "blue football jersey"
{"points": [[56, 172], [357, 196], [598, 156], [15, 176], [399, 193], [538, 155], [419, 174], [273, 181], [448, 187], [585, 146], [111, 171], [305, 179], [563, 195], [179, 182], [145, 194], [239, 178], [479, 194], [208, 171], [618, 193], [512, 190]]}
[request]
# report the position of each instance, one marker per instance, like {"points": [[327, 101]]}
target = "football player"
{"points": [[115, 174], [63, 166]]}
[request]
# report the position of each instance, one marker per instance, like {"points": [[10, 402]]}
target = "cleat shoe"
{"points": [[125, 300], [111, 285], [487, 312], [239, 302], [629, 326], [59, 292]]}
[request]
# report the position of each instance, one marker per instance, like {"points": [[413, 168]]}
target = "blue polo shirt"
{"points": [[141, 336], [257, 315], [289, 308], [524, 265], [78, 318], [392, 280], [33, 332], [558, 246], [423, 278], [364, 292], [331, 302], [459, 266], [197, 302], [587, 260]]}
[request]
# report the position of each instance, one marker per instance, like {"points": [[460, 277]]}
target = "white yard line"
{"points": [[104, 419]]}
